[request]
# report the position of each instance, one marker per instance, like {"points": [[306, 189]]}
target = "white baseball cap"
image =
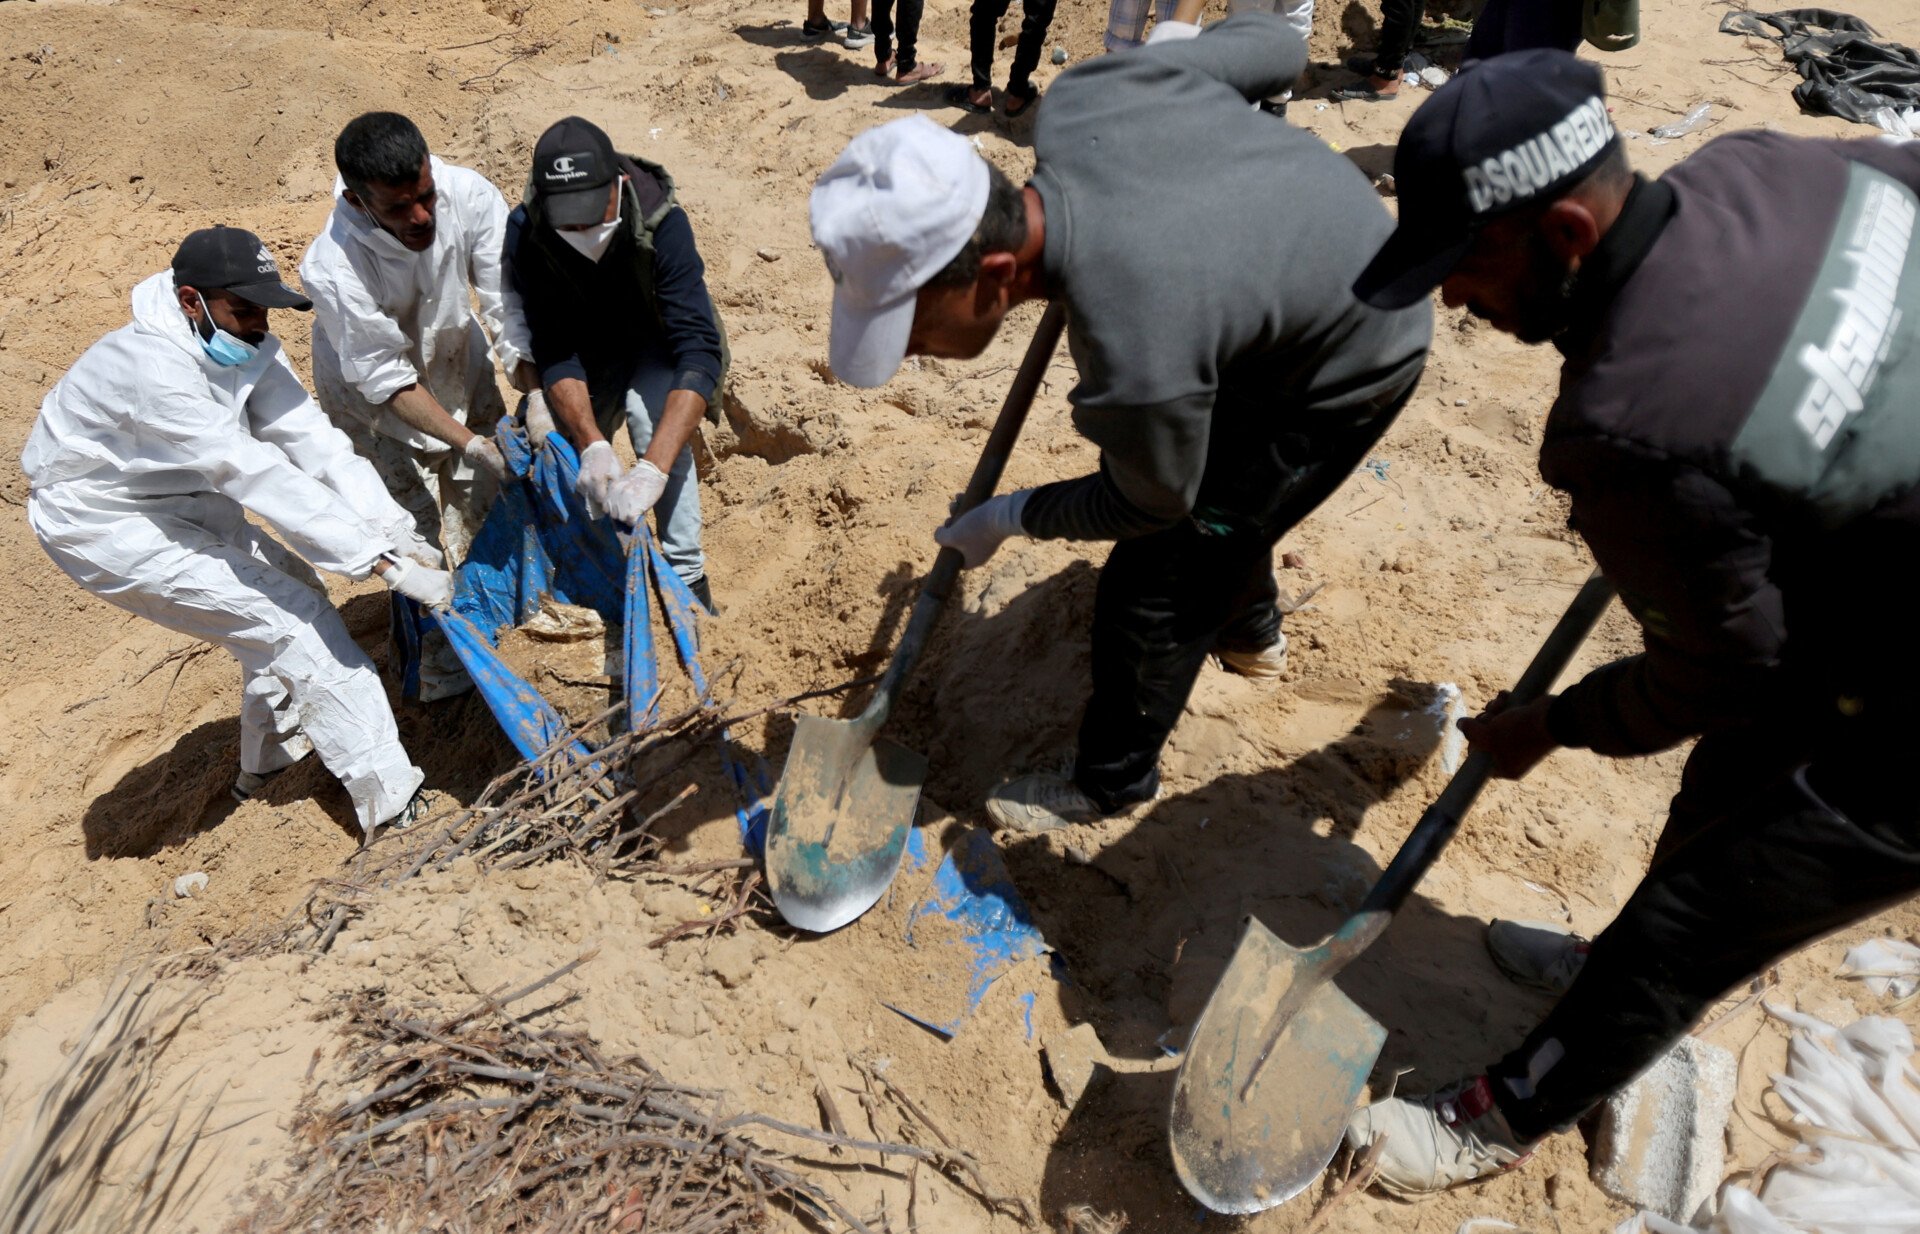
{"points": [[898, 204]]}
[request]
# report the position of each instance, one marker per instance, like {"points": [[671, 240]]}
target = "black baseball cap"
{"points": [[1506, 133], [573, 163], [231, 259]]}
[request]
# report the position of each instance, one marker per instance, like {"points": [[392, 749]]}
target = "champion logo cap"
{"points": [[898, 204], [233, 260], [1505, 133], [573, 163]]}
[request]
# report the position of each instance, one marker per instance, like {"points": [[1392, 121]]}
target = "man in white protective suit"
{"points": [[400, 361], [144, 463]]}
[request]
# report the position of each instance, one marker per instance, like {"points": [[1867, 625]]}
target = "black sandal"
{"points": [[962, 97], [1360, 92], [1017, 104]]}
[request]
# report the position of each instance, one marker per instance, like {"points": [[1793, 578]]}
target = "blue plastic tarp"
{"points": [[973, 928], [538, 541]]}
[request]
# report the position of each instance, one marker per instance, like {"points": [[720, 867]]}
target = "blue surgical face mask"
{"points": [[222, 348]]}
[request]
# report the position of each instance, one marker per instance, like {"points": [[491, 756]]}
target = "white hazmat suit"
{"points": [[386, 317], [144, 462]]}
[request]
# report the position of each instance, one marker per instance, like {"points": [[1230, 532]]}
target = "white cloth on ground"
{"points": [[144, 462]]}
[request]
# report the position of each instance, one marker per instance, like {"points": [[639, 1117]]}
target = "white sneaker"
{"points": [[1536, 954], [1040, 802], [1262, 665], [1457, 1135]]}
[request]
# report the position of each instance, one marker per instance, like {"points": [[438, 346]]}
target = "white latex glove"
{"points": [[1173, 32], [485, 456], [408, 543], [632, 495], [598, 472], [433, 588], [979, 531], [538, 419]]}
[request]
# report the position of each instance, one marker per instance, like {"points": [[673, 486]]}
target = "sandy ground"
{"points": [[132, 123]]}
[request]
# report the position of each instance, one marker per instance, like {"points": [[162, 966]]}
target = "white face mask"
{"points": [[593, 242]]}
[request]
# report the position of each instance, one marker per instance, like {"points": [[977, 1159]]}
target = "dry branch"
{"points": [[558, 805], [68, 1169], [545, 1135]]}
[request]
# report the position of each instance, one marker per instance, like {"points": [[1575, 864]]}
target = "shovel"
{"points": [[845, 802], [1277, 1062]]}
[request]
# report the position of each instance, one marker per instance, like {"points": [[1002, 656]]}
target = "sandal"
{"points": [[962, 97], [926, 70], [1361, 92], [1018, 103]]}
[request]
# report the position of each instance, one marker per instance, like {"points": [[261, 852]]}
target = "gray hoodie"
{"points": [[1206, 251]]}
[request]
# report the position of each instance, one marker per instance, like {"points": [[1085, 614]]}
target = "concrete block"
{"points": [[1073, 1058], [1661, 1141]]}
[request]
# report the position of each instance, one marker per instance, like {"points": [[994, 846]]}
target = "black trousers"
{"points": [[1519, 25], [1166, 600], [1036, 16], [907, 30], [1765, 850], [1399, 22]]}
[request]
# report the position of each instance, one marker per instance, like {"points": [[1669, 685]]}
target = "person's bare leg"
{"points": [[816, 12], [859, 13]]}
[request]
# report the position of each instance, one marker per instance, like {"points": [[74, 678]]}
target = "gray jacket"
{"points": [[1206, 252]]}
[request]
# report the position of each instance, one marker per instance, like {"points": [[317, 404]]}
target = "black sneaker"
{"points": [[703, 592], [821, 31]]}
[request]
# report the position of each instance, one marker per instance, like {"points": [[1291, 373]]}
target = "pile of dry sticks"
{"points": [[481, 1121], [478, 1122]]}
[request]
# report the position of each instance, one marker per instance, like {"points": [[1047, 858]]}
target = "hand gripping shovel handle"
{"points": [[1429, 836], [986, 477]]}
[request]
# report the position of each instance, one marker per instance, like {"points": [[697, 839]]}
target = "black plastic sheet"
{"points": [[1849, 70]]}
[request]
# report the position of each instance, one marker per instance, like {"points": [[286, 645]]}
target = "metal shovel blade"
{"points": [[1246, 1153], [841, 816]]}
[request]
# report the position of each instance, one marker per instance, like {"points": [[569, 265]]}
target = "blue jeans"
{"points": [[676, 517]]}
